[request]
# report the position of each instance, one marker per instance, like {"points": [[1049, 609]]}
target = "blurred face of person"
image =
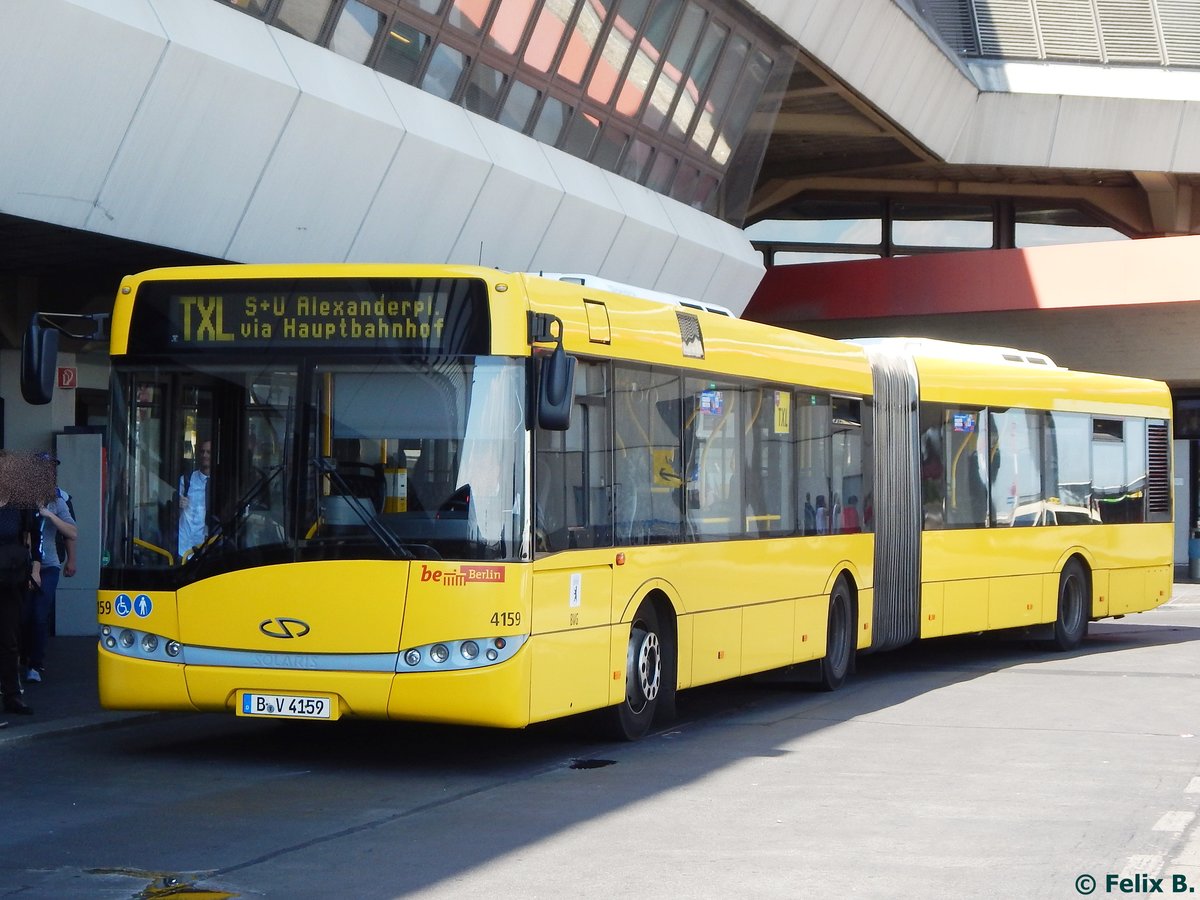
{"points": [[204, 456]]}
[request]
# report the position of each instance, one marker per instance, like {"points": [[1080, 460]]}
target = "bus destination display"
{"points": [[241, 319], [418, 315]]}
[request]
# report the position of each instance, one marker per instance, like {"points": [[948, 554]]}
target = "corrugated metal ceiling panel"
{"points": [[1121, 32], [1068, 29], [954, 21], [1007, 28], [1130, 32], [1180, 21]]}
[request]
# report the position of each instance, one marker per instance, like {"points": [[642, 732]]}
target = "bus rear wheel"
{"points": [[644, 673], [839, 645], [1074, 594]]}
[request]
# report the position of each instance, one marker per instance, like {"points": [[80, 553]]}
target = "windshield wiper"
{"points": [[327, 465]]}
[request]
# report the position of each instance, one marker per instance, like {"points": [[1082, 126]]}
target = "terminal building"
{"points": [[1015, 172]]}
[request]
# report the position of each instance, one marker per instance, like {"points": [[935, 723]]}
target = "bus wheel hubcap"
{"points": [[644, 667]]}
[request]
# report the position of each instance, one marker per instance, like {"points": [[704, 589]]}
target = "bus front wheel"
{"points": [[1074, 595], [644, 672], [839, 646]]}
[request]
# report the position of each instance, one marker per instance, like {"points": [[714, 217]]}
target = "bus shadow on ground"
{"points": [[566, 775], [902, 674]]}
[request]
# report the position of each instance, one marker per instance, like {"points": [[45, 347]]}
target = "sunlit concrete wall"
{"points": [[187, 124]]}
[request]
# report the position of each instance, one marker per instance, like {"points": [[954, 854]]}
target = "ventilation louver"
{"points": [[690, 336]]}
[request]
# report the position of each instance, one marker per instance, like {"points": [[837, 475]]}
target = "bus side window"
{"points": [[1119, 469]]}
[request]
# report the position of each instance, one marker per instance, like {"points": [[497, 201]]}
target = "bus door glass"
{"points": [[572, 472], [769, 458], [850, 489], [965, 445], [814, 424], [648, 476], [1015, 467], [152, 469], [713, 448], [1068, 469], [198, 467]]}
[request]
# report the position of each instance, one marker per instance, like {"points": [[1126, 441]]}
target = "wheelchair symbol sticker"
{"points": [[123, 605]]}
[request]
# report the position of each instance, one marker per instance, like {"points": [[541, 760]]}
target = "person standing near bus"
{"points": [[194, 502], [20, 569], [56, 519]]}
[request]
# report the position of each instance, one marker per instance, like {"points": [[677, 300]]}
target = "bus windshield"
{"points": [[215, 468]]}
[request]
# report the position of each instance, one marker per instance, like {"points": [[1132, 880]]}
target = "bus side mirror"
{"points": [[556, 390], [39, 362]]}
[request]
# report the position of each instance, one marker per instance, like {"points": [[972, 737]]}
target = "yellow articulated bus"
{"points": [[455, 494]]}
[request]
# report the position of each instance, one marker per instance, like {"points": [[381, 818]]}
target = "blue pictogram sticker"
{"points": [[123, 605], [142, 606]]}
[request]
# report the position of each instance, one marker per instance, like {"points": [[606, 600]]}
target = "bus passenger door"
{"points": [[573, 556], [570, 643]]}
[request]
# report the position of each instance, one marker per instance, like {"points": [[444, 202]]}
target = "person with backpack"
{"points": [[57, 532]]}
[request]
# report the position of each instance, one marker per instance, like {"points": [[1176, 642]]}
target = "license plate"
{"points": [[286, 706]]}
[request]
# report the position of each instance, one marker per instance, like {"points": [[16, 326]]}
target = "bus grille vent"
{"points": [[690, 336], [1158, 486]]}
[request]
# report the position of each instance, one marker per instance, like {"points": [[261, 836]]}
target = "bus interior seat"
{"points": [[361, 479], [365, 481]]}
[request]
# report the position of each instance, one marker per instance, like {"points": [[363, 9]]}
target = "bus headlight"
{"points": [[450, 656], [145, 645]]}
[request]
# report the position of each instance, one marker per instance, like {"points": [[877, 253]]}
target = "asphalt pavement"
{"points": [[67, 697]]}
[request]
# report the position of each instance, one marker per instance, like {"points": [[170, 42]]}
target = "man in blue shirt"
{"points": [[56, 518], [193, 502]]}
